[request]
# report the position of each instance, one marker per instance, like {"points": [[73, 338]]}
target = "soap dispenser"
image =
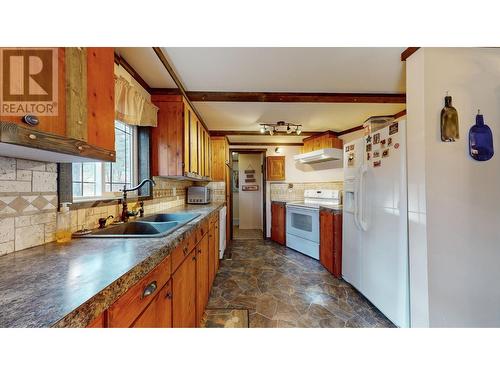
{"points": [[63, 225]]}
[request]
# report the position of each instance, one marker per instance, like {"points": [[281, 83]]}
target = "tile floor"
{"points": [[283, 288]]}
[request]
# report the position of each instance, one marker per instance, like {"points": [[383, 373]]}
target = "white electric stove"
{"points": [[302, 220]]}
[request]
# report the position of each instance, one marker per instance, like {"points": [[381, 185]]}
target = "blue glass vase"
{"points": [[480, 140]]}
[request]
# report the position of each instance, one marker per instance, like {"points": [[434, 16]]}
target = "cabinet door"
{"points": [[326, 240], [184, 294], [193, 143], [99, 322], [218, 158], [211, 255], [216, 245], [202, 288], [158, 314], [278, 218], [187, 138], [275, 168], [337, 245], [101, 97], [201, 145]]}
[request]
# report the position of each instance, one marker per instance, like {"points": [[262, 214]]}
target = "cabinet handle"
{"points": [[193, 258], [150, 289], [169, 295], [185, 251], [199, 251], [32, 136]]}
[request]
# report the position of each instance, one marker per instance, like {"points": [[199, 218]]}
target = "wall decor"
{"points": [[249, 171], [480, 140], [249, 179], [250, 187], [236, 182], [449, 121]]}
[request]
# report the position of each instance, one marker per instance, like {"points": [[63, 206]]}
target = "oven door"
{"points": [[303, 222]]}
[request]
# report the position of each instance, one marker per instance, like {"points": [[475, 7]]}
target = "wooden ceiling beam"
{"points": [[288, 97], [264, 144], [225, 133], [130, 70], [408, 52], [171, 71]]}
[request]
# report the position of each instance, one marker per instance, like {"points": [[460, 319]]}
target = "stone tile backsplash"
{"points": [[28, 203], [283, 191]]}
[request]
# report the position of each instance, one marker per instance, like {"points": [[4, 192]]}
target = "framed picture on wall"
{"points": [[250, 187]]}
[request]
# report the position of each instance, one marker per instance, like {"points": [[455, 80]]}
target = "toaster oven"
{"points": [[199, 195]]}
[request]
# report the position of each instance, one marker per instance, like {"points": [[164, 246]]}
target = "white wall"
{"points": [[250, 202], [454, 200]]}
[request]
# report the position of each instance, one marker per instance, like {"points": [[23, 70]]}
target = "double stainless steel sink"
{"points": [[158, 225]]}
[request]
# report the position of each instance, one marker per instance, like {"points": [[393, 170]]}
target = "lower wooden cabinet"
{"points": [[202, 281], [330, 241], [176, 292], [158, 314], [184, 293], [278, 222]]}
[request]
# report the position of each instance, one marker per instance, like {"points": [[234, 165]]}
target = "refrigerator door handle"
{"points": [[355, 200], [362, 223]]}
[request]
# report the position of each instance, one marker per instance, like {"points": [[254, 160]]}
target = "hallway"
{"points": [[279, 287]]}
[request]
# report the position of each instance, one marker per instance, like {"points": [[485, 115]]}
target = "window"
{"points": [[101, 180]]}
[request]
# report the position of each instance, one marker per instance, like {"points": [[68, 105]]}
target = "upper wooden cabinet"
{"points": [[84, 124], [325, 140], [220, 156], [275, 168], [177, 142]]}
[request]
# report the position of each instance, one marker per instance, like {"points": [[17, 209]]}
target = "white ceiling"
{"points": [[365, 70], [313, 116], [349, 70], [146, 63]]}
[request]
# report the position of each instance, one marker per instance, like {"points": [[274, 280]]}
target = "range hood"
{"points": [[318, 156]]}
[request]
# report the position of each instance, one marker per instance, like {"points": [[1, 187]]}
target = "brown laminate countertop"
{"points": [[69, 285]]}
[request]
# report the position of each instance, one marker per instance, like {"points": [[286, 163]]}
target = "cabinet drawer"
{"points": [[182, 250], [129, 306], [202, 230]]}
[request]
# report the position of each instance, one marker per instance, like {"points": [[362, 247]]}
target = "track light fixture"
{"points": [[281, 127]]}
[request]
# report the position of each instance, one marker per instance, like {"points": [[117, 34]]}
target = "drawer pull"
{"points": [[168, 295], [193, 258], [199, 251], [32, 136], [185, 251], [150, 289]]}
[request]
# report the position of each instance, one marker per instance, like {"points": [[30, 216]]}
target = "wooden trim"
{"points": [[164, 91], [122, 62], [327, 132], [288, 97], [76, 93], [360, 127], [22, 136], [408, 52], [351, 130], [263, 144], [178, 82], [400, 114], [224, 133]]}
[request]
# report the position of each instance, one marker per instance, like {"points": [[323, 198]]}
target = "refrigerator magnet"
{"points": [[376, 154], [351, 147], [368, 147], [382, 142], [385, 153], [389, 141], [350, 160], [376, 138], [377, 163], [368, 156], [369, 139], [346, 148], [393, 129], [396, 146]]}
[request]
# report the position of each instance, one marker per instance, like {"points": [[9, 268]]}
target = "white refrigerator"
{"points": [[375, 221]]}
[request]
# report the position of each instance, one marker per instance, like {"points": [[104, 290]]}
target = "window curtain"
{"points": [[131, 106]]}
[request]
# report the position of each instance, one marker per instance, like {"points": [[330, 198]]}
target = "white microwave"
{"points": [[199, 195]]}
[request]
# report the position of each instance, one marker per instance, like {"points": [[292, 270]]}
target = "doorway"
{"points": [[248, 191]]}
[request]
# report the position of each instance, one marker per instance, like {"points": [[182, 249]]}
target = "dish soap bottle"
{"points": [[63, 225]]}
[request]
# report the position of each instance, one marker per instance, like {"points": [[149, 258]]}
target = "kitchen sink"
{"points": [[158, 225], [180, 217]]}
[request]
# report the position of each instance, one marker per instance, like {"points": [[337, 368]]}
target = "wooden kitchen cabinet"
{"points": [[202, 280], [275, 168], [158, 314], [99, 322], [330, 242], [84, 124], [129, 306], [327, 139], [220, 158], [184, 293], [177, 147], [213, 237], [278, 222]]}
